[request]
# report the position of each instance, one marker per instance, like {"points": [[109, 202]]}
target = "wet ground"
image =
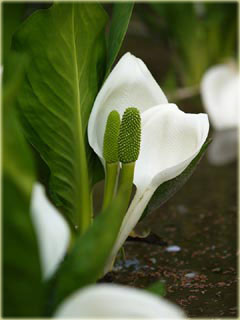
{"points": [[200, 222]]}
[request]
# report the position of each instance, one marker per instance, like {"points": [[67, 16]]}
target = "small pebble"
{"points": [[190, 275], [131, 262], [221, 284], [182, 209], [153, 260], [173, 249]]}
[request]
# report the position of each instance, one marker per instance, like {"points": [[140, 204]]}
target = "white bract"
{"points": [[130, 84], [115, 301], [220, 95], [170, 137], [52, 231]]}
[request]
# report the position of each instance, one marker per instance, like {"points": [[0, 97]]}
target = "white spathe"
{"points": [[130, 84], [220, 95], [170, 140], [170, 137], [116, 301], [52, 231]]}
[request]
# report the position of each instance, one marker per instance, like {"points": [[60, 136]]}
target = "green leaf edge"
{"points": [[113, 44]]}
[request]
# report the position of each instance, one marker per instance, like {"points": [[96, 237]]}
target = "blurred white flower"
{"points": [[116, 301], [224, 147], [52, 231], [170, 137], [220, 95]]}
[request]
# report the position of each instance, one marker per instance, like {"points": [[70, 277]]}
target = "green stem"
{"points": [[86, 213], [110, 183], [123, 254], [125, 185], [126, 182]]}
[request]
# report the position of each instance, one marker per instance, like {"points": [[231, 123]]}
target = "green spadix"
{"points": [[110, 143], [130, 136], [121, 143], [110, 154]]}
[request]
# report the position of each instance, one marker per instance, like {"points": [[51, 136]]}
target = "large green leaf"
{"points": [[86, 262], [118, 28], [170, 187], [66, 44], [22, 284]]}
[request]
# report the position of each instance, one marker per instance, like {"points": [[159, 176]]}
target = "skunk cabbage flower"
{"points": [[170, 138], [220, 95], [115, 301], [52, 231]]}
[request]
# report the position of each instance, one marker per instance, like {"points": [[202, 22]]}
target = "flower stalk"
{"points": [[112, 170], [126, 182]]}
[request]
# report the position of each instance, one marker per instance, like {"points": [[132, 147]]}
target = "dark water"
{"points": [[201, 219]]}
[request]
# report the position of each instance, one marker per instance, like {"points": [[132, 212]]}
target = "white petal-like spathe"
{"points": [[220, 94], [115, 301], [170, 141], [52, 231], [130, 84]]}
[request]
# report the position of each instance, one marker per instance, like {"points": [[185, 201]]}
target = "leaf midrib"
{"points": [[81, 162]]}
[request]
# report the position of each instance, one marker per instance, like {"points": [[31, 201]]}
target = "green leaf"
{"points": [[121, 16], [169, 188], [158, 288], [86, 262], [22, 284], [66, 44]]}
